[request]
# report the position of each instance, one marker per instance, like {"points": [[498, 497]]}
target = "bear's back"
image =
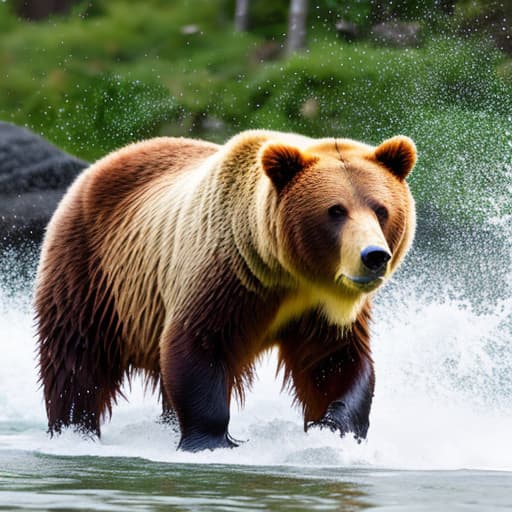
{"points": [[92, 244], [129, 171]]}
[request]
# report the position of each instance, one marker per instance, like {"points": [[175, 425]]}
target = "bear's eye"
{"points": [[337, 212], [382, 213]]}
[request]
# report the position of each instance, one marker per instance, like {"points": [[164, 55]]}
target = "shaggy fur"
{"points": [[186, 260]]}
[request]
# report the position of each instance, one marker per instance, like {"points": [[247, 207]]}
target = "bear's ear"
{"points": [[398, 154], [282, 162]]}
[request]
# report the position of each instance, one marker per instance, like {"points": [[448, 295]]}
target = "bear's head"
{"points": [[344, 215]]}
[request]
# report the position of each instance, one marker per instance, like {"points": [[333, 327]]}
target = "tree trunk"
{"points": [[297, 26], [242, 15]]}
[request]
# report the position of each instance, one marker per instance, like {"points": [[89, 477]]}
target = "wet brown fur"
{"points": [[81, 345], [111, 299]]}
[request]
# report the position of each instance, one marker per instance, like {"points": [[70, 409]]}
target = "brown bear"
{"points": [[185, 260]]}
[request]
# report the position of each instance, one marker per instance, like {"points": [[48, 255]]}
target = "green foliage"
{"points": [[116, 72], [6, 19], [358, 12], [109, 112]]}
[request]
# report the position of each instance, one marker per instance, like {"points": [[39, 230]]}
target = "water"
{"points": [[439, 435], [38, 482]]}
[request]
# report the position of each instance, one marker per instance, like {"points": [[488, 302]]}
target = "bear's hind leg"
{"points": [[79, 388], [169, 416], [79, 362]]}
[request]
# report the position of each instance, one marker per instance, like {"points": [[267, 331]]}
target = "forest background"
{"points": [[91, 76]]}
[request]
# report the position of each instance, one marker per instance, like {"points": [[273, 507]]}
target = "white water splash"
{"points": [[443, 398]]}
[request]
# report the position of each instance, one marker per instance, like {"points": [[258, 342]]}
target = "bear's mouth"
{"points": [[361, 283]]}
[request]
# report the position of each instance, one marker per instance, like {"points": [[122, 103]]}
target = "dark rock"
{"points": [[212, 124], [397, 34], [346, 30], [310, 108], [267, 51], [34, 175]]}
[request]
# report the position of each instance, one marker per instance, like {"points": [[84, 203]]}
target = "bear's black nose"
{"points": [[375, 258]]}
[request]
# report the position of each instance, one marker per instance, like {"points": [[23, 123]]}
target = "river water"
{"points": [[440, 434]]}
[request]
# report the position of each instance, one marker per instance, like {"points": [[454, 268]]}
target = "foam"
{"points": [[442, 400]]}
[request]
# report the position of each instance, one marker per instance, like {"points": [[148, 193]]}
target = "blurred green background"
{"points": [[108, 72]]}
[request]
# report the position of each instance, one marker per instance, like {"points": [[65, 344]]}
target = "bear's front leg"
{"points": [[334, 385], [199, 387], [350, 410]]}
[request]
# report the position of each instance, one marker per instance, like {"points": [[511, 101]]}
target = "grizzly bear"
{"points": [[185, 260]]}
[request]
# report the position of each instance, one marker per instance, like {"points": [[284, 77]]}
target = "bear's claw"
{"points": [[338, 419], [200, 442]]}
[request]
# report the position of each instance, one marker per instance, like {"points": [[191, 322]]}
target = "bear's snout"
{"points": [[375, 259]]}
